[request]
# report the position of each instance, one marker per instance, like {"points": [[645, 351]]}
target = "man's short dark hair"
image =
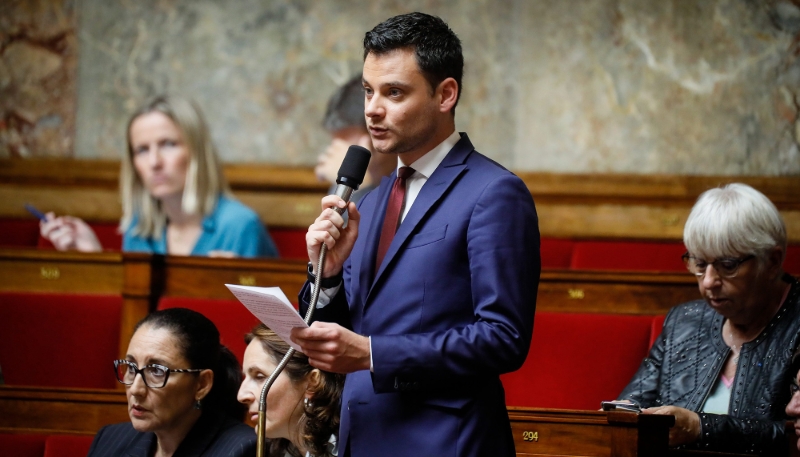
{"points": [[436, 47], [346, 106]]}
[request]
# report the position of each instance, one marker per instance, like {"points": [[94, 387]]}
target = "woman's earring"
{"points": [[307, 403], [198, 405]]}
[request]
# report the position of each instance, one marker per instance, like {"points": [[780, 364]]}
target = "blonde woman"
{"points": [[175, 199]]}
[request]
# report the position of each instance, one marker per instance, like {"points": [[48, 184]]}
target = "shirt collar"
{"points": [[428, 163]]}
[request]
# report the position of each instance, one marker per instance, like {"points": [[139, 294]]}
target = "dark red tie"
{"points": [[393, 210]]}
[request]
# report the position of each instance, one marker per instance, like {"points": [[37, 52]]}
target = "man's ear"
{"points": [[205, 381], [448, 92]]}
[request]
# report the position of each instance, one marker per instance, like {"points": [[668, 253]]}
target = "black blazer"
{"points": [[214, 435]]}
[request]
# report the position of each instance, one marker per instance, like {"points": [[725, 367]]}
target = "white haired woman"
{"points": [[722, 364], [175, 199]]}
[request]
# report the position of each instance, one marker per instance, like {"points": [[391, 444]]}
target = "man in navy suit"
{"points": [[424, 329]]}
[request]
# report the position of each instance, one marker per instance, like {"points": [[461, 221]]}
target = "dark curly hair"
{"points": [[436, 47], [321, 415]]}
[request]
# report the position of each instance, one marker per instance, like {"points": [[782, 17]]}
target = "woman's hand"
{"points": [[687, 424], [69, 233]]}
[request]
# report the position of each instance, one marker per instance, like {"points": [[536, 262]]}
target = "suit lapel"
{"points": [[438, 184]]}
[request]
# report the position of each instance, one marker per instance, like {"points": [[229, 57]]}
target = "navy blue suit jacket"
{"points": [[214, 435], [450, 309]]}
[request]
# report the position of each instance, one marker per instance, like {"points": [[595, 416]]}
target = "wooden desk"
{"points": [[40, 270], [555, 432], [205, 277], [617, 292], [51, 410]]}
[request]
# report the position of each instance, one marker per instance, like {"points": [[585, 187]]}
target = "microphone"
{"points": [[351, 173]]}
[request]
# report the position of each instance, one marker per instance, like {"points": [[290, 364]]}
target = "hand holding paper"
{"points": [[270, 306]]}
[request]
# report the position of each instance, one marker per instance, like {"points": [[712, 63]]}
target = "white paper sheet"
{"points": [[270, 306]]}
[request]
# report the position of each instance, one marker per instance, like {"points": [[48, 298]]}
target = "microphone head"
{"points": [[354, 166]]}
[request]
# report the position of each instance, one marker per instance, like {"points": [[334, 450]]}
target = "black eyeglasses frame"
{"points": [[140, 371]]}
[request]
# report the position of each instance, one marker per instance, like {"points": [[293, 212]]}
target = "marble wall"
{"points": [[634, 86], [38, 62]]}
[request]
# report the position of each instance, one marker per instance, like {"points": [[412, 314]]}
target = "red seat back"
{"points": [[22, 445], [628, 255], [792, 262], [655, 330], [232, 319], [556, 252], [41, 332], [578, 360], [290, 241], [19, 232], [67, 445]]}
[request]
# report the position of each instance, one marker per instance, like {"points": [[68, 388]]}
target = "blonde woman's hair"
{"points": [[204, 178]]}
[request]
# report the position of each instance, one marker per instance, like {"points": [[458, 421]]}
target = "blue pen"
{"points": [[39, 215]]}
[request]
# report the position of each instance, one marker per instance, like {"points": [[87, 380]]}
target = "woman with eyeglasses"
{"points": [[303, 404], [721, 365], [181, 387]]}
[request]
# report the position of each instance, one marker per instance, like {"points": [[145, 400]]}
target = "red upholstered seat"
{"points": [[792, 262], [19, 232], [290, 241], [655, 330], [67, 445], [578, 360], [628, 255], [232, 319], [556, 252], [22, 445], [59, 340]]}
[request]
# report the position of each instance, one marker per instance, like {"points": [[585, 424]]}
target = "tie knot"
{"points": [[405, 172]]}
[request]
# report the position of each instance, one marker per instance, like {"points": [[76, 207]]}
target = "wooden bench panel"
{"points": [[43, 410], [53, 271], [206, 277], [554, 432], [618, 292]]}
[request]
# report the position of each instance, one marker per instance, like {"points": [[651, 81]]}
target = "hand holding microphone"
{"points": [[329, 227]]}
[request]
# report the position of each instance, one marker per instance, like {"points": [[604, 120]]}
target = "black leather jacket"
{"points": [[685, 363]]}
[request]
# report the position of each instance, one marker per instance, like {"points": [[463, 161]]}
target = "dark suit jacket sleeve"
{"points": [[502, 250], [335, 311]]}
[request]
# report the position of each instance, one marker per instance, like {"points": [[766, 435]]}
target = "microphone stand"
{"points": [[262, 405], [344, 191]]}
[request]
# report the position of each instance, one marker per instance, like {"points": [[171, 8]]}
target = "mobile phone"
{"points": [[621, 406], [39, 215]]}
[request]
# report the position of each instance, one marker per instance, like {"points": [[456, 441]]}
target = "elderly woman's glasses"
{"points": [[154, 375], [727, 268]]}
